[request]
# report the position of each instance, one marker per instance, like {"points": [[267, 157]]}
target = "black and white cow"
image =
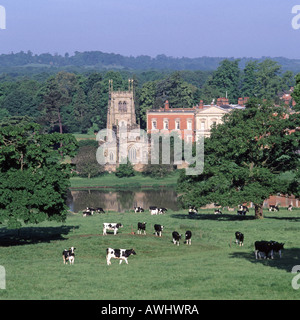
{"points": [[69, 255], [138, 209], [158, 229], [188, 236], [193, 210], [242, 210], [162, 210], [141, 227], [290, 207], [267, 249], [176, 237], [153, 210], [111, 226], [273, 208], [218, 211], [263, 248], [86, 213], [100, 210], [89, 209], [121, 254], [277, 247], [239, 238]]}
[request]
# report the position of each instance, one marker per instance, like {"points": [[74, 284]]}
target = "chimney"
{"points": [[201, 104], [167, 105], [241, 102]]}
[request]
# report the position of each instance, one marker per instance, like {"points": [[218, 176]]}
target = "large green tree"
{"points": [[244, 158], [224, 81], [33, 179]]}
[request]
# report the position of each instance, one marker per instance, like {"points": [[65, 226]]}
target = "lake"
{"points": [[122, 200]]}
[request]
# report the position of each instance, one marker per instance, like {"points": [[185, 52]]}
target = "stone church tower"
{"points": [[121, 110], [124, 139]]}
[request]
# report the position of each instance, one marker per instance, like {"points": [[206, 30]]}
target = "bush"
{"points": [[125, 170]]}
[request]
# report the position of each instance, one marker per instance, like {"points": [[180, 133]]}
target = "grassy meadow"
{"points": [[213, 267]]}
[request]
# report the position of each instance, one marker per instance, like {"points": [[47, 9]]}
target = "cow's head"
{"points": [[132, 251]]}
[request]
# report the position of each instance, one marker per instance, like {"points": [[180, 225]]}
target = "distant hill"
{"points": [[98, 60]]}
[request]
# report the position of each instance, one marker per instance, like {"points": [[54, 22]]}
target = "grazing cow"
{"points": [[239, 238], [218, 211], [86, 213], [162, 210], [69, 255], [153, 210], [188, 236], [91, 210], [121, 254], [192, 210], [158, 229], [267, 249], [138, 209], [176, 237], [273, 208], [277, 247], [290, 207], [242, 210], [141, 227], [264, 247], [100, 210], [111, 226]]}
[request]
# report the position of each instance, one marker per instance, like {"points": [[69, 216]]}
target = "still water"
{"points": [[122, 200]]}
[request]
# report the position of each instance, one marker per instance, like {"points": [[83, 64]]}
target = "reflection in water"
{"points": [[122, 200]]}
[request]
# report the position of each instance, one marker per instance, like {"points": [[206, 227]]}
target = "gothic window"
{"points": [[122, 106], [111, 156], [132, 154]]}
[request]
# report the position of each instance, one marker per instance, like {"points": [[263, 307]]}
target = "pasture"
{"points": [[213, 267]]}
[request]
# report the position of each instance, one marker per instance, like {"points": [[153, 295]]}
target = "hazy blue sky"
{"points": [[190, 28]]}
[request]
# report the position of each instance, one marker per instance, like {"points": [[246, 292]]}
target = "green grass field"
{"points": [[213, 267]]}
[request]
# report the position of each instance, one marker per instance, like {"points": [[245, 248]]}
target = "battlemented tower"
{"points": [[124, 139], [121, 109]]}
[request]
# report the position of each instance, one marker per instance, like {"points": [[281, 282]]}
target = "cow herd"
{"points": [[263, 249]]}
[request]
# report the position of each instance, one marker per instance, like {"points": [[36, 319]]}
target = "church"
{"points": [[123, 138]]}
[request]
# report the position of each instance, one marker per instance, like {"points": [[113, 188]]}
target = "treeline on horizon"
{"points": [[75, 101], [102, 61]]}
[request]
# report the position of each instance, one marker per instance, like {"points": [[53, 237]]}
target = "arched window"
{"points": [[132, 154], [122, 106], [111, 156]]}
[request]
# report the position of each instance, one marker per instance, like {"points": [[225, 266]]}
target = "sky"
{"points": [[176, 28]]}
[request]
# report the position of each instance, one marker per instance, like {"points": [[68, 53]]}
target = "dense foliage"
{"points": [[33, 178], [244, 158], [69, 102]]}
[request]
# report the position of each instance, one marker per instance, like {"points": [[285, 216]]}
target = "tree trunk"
{"points": [[258, 211]]}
